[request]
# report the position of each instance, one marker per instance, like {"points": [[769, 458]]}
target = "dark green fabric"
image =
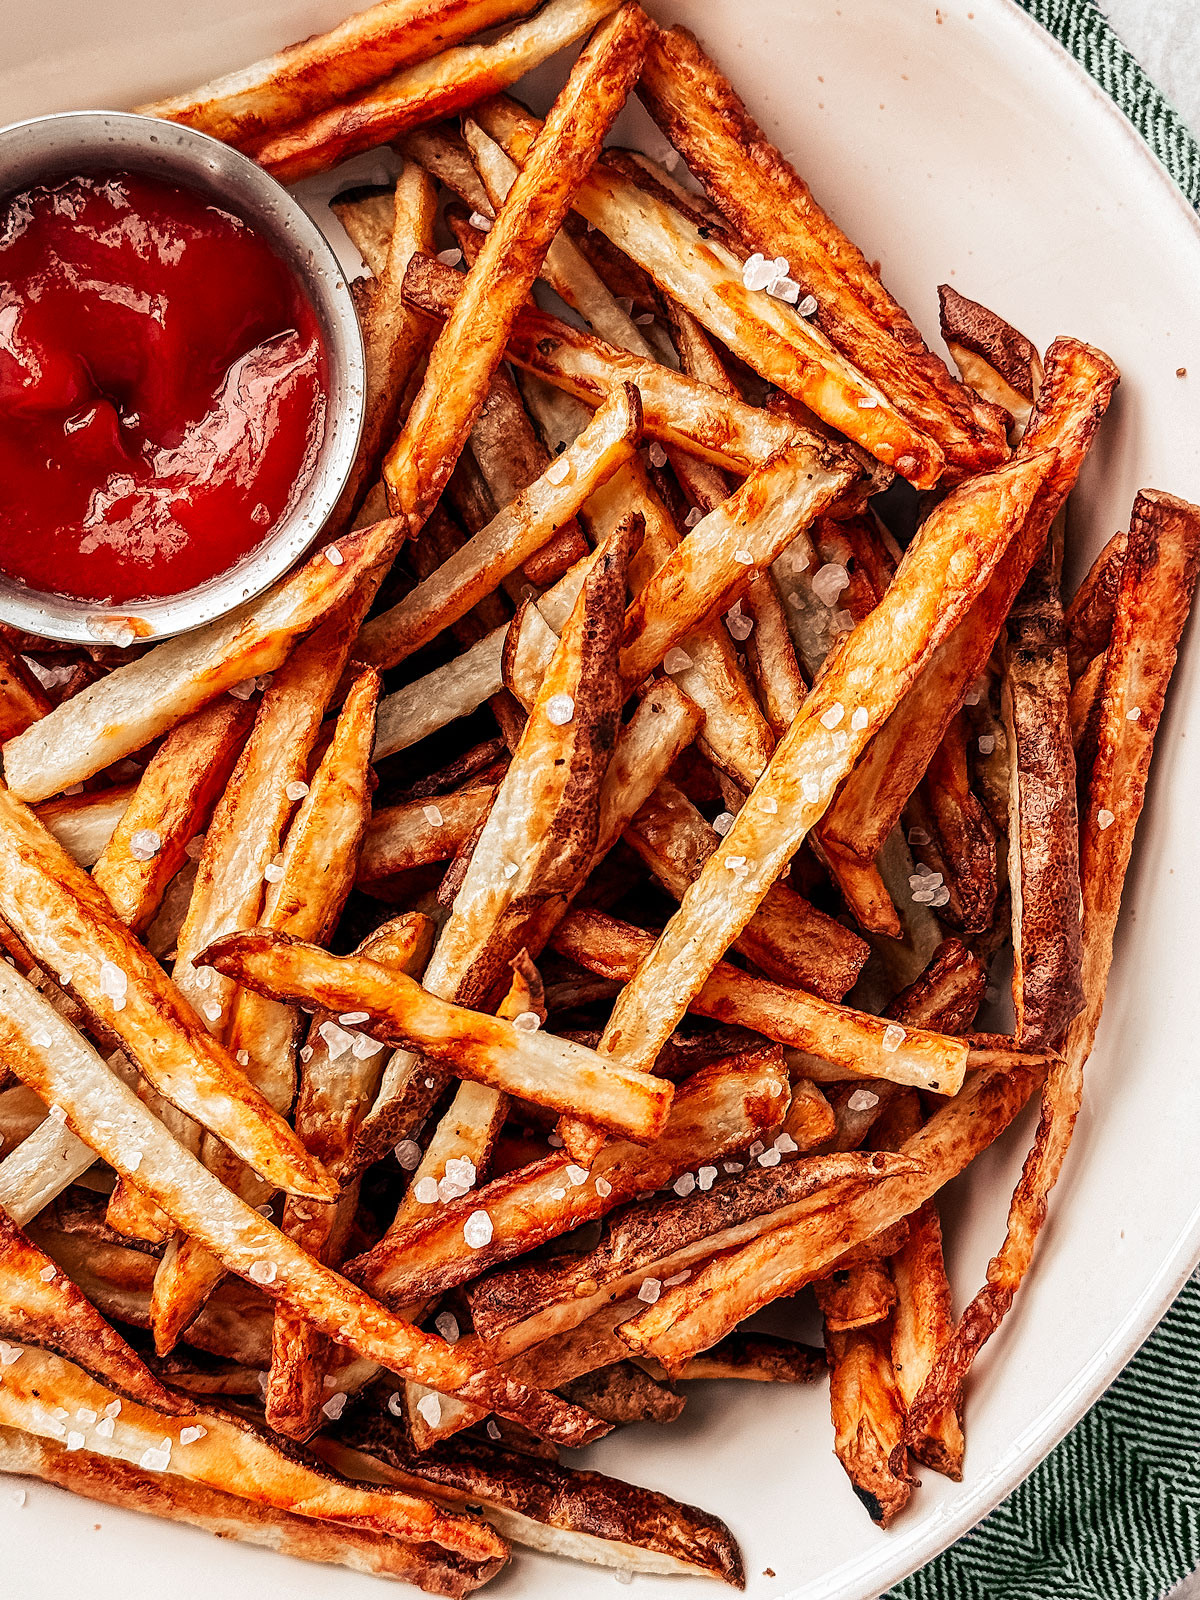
{"points": [[1114, 1512]]}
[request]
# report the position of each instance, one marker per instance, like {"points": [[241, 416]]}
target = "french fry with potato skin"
{"points": [[944, 569], [401, 837], [229, 1516], [68, 1072], [1158, 583], [230, 1451], [317, 871], [65, 919], [771, 209], [84, 823], [1088, 618], [1078, 385], [22, 699], [536, 1066], [137, 702], [172, 801], [307, 77], [997, 360], [855, 1041], [868, 1420], [471, 344], [719, 1110]]}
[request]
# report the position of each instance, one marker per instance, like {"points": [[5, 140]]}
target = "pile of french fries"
{"points": [[448, 998]]}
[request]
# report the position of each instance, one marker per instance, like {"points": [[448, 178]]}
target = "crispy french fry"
{"points": [[471, 344], [623, 1394], [169, 807], [1158, 581], [84, 823], [441, 149], [229, 1452], [517, 531], [418, 832], [943, 571], [994, 358], [1078, 385], [68, 1071], [676, 408], [656, 1239], [536, 1066], [868, 1420], [858, 1044], [424, 91], [772, 210], [64, 918], [136, 703], [316, 73], [688, 262], [45, 1163], [549, 1507], [947, 994], [230, 1516], [752, 1358], [1089, 616], [22, 700], [964, 834], [720, 1110]]}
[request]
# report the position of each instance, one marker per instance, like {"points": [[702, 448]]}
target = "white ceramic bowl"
{"points": [[969, 150]]}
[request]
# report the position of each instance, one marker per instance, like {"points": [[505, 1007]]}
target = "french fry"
{"points": [[424, 91], [789, 939], [471, 344], [688, 262], [676, 408], [524, 1304], [858, 1297], [947, 994], [964, 834], [441, 149], [136, 703], [752, 1358], [868, 1420], [623, 1394], [549, 1507], [22, 700], [1078, 385], [47, 1161], [306, 78], [1089, 616], [66, 920], [536, 1066], [229, 1516], [944, 570], [169, 807], [695, 1315], [68, 1072], [994, 358], [771, 208], [84, 823], [720, 1110], [1158, 581], [856, 1043], [40, 1306], [519, 530], [316, 873], [229, 1452], [418, 832]]}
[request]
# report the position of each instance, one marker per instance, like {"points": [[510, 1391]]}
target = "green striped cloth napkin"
{"points": [[1114, 1512]]}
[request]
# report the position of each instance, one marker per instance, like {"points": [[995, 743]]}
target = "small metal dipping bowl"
{"points": [[76, 142]]}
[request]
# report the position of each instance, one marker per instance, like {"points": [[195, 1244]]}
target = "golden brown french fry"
{"points": [[471, 344], [305, 78], [169, 807], [858, 1297], [64, 918], [423, 92], [994, 358], [316, 870], [550, 1507], [963, 834], [84, 823], [1158, 581], [858, 1044], [695, 1315], [136, 703], [533, 1065], [944, 569], [418, 832], [719, 1110], [1088, 617], [47, 1161], [690, 263], [441, 149], [868, 1420], [1079, 382], [771, 209], [40, 1306], [68, 1072], [229, 1516], [517, 531], [225, 1451], [947, 994]]}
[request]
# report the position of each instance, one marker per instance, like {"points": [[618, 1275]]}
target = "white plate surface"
{"points": [[958, 145]]}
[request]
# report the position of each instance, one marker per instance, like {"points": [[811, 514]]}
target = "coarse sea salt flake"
{"points": [[603, 1188], [47, 1274], [577, 1175], [395, 1404], [106, 1427], [694, 516], [113, 984], [1133, 714], [333, 555], [446, 1324], [365, 1047], [769, 804], [808, 305], [425, 1191], [722, 822], [9, 1353], [862, 1100], [479, 222], [42, 1038], [769, 1158], [337, 1040], [334, 1406], [559, 470], [1104, 819], [477, 1230], [527, 1022], [658, 456], [212, 1010], [739, 625], [430, 1407], [859, 719], [449, 258], [560, 708], [705, 1178], [758, 272], [493, 1429], [829, 581], [156, 1460], [744, 556], [263, 1271], [57, 1114], [351, 1019], [511, 869], [834, 715], [810, 788], [650, 1290], [893, 1037], [145, 844], [676, 660], [786, 289], [190, 1435], [273, 872], [987, 743], [433, 816], [684, 1184], [296, 790]]}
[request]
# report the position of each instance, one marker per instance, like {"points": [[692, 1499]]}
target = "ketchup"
{"points": [[161, 388]]}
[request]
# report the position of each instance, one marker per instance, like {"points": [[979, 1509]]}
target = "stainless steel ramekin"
{"points": [[82, 141]]}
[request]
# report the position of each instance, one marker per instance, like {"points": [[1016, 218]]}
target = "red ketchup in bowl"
{"points": [[161, 388]]}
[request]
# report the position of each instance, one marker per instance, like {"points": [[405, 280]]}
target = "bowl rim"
{"points": [[128, 140]]}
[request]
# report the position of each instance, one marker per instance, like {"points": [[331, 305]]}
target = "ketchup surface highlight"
{"points": [[161, 388]]}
